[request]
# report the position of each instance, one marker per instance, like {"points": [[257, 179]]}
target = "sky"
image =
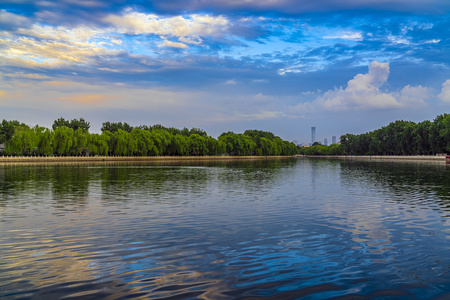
{"points": [[342, 66]]}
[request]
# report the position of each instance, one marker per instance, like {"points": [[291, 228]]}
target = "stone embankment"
{"points": [[436, 158], [77, 159], [81, 159]]}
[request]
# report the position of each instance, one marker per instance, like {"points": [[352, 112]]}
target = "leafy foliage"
{"points": [[397, 138], [114, 127], [7, 129], [74, 124], [400, 138], [121, 139]]}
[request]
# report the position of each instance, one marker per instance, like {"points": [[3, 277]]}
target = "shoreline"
{"points": [[436, 158], [77, 159], [90, 159]]}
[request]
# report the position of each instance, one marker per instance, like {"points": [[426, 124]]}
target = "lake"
{"points": [[277, 229]]}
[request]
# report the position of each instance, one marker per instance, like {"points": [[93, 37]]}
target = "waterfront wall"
{"points": [[56, 159], [437, 158], [46, 159]]}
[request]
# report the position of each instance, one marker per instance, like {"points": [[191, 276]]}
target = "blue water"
{"points": [[285, 229]]}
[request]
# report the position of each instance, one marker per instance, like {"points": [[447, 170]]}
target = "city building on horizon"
{"points": [[325, 141], [333, 139], [313, 135]]}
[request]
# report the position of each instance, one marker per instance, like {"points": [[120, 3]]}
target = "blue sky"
{"points": [[283, 66]]}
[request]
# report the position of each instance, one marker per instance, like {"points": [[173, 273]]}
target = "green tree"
{"points": [[80, 141], [421, 137], [238, 144], [44, 138], [79, 124], [288, 149], [255, 134], [277, 146], [248, 145], [334, 149], [60, 123], [113, 127], [444, 131], [265, 146], [144, 142], [197, 144], [162, 140], [347, 141], [214, 147], [7, 129], [179, 145], [23, 141], [227, 139], [198, 131], [62, 140], [119, 143], [97, 144], [75, 124]]}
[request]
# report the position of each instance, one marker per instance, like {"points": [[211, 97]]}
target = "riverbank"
{"points": [[81, 159], [78, 159], [435, 158]]}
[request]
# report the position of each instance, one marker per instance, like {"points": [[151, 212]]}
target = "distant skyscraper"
{"points": [[313, 135], [325, 142], [333, 139]]}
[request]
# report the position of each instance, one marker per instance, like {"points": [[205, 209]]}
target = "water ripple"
{"points": [[300, 229]]}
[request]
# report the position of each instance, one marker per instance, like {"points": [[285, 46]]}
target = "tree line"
{"points": [[72, 138], [397, 138]]}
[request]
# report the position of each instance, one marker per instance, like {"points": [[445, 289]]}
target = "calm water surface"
{"points": [[291, 229]]}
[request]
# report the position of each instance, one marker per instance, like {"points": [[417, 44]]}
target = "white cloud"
{"points": [[171, 44], [414, 96], [292, 69], [433, 41], [12, 20], [231, 81], [444, 96], [79, 36], [350, 36], [194, 25], [363, 93], [398, 39], [188, 40], [56, 46], [52, 46]]}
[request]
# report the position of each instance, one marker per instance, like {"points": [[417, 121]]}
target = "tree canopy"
{"points": [[114, 127], [397, 138], [119, 139], [7, 129], [122, 139], [75, 124], [402, 138]]}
